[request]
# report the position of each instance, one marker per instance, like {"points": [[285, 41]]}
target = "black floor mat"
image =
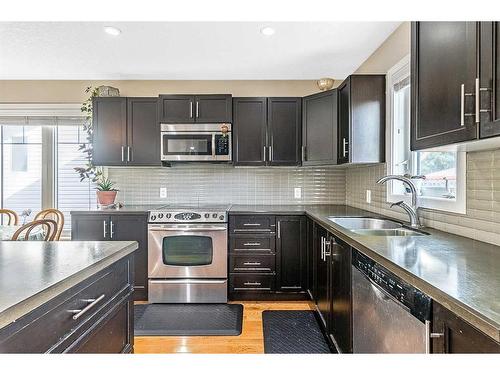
{"points": [[161, 319], [292, 332]]}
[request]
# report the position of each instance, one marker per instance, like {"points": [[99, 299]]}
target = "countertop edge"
{"points": [[20, 309]]}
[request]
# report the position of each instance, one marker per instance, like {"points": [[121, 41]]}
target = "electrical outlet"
{"points": [[297, 193], [368, 196], [163, 192]]}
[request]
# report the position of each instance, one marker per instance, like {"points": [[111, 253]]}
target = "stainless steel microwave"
{"points": [[196, 142]]}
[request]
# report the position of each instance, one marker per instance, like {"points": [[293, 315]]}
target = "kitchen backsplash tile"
{"points": [[211, 183], [482, 218]]}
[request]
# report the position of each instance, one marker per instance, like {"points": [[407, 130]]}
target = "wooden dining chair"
{"points": [[13, 219], [53, 214], [49, 229]]}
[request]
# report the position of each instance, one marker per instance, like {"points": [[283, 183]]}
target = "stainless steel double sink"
{"points": [[367, 226]]}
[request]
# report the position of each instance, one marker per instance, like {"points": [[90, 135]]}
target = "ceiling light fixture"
{"points": [[111, 30], [267, 31]]}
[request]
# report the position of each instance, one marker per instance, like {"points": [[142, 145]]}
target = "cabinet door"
{"points": [[341, 316], [490, 79], [109, 121], [89, 227], [322, 278], [319, 128], [344, 121], [457, 335], [291, 260], [443, 59], [284, 131], [213, 108], [311, 287], [176, 109], [131, 227], [249, 131], [143, 132]]}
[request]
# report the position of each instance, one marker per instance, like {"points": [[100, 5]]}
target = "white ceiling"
{"points": [[187, 50]]}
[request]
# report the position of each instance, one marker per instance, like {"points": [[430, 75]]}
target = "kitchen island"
{"points": [[66, 296]]}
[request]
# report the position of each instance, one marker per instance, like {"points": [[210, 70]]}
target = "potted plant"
{"points": [[106, 193]]}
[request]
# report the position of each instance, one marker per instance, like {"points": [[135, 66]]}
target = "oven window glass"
{"points": [[187, 250], [187, 144]]}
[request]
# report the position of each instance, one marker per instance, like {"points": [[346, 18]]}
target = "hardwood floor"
{"points": [[251, 340]]}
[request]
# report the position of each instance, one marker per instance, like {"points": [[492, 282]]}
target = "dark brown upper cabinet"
{"points": [[489, 89], [443, 77], [266, 131], [180, 109], [126, 131], [319, 128], [361, 119]]}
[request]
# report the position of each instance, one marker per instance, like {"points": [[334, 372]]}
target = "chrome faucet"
{"points": [[412, 210]]}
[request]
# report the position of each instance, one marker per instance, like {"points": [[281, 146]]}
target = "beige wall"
{"points": [[74, 91], [395, 47]]}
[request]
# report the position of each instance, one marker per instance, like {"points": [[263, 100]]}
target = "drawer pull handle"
{"points": [[93, 302], [251, 264], [236, 289], [252, 283], [251, 244], [266, 269], [251, 225]]}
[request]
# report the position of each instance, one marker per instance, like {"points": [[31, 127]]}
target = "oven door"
{"points": [[187, 251], [187, 146]]}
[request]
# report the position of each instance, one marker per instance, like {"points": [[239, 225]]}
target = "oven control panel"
{"points": [[187, 217]]}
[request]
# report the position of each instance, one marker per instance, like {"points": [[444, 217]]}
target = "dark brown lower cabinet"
{"points": [[104, 327], [322, 269], [267, 257], [458, 336], [132, 226]]}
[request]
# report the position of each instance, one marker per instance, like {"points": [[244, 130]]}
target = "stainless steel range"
{"points": [[187, 254]]}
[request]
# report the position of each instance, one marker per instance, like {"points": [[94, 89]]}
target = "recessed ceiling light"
{"points": [[268, 31], [111, 30]]}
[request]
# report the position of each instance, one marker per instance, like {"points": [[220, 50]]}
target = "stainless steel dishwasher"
{"points": [[389, 315]]}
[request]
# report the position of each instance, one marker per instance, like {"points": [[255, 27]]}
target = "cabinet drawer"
{"points": [[252, 282], [252, 244], [48, 326], [251, 223], [252, 263]]}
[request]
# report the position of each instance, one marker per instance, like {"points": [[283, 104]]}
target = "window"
{"points": [[440, 175], [38, 156]]}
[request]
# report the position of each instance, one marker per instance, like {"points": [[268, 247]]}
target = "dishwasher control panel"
{"points": [[418, 303]]}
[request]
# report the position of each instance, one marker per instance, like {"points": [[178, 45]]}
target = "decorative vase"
{"points": [[325, 84], [106, 198], [105, 91]]}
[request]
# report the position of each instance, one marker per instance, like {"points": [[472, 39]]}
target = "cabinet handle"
{"points": [[251, 263], [462, 104], [477, 100], [303, 153], [104, 228], [123, 153], [270, 153], [190, 109], [344, 147], [128, 154], [279, 229], [327, 254], [197, 109], [111, 226], [93, 302], [264, 153], [322, 247], [251, 244], [248, 283], [251, 225]]}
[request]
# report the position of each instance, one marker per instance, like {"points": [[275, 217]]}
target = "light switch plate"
{"points": [[297, 193], [368, 196], [163, 192]]}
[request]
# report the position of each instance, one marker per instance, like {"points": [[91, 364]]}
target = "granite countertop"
{"points": [[458, 272], [34, 272], [127, 209]]}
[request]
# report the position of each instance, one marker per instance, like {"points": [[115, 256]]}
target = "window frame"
{"points": [[397, 73]]}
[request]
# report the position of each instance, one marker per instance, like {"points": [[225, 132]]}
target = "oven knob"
{"points": [[221, 217], [168, 216], [160, 216], [207, 216], [153, 217], [214, 216]]}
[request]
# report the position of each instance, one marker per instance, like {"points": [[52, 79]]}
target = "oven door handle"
{"points": [[187, 229]]}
